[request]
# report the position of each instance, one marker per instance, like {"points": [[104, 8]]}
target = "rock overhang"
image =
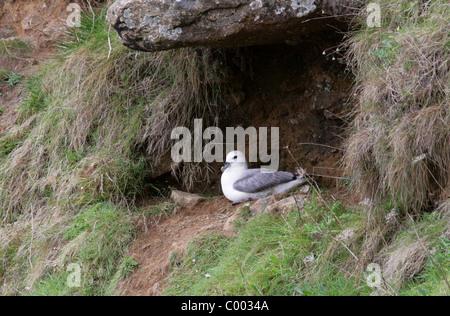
{"points": [[154, 25]]}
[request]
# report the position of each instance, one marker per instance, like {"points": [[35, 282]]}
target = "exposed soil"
{"points": [[298, 89], [161, 236], [11, 96], [303, 93], [38, 22]]}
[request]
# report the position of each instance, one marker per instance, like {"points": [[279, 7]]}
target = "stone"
{"points": [[184, 199], [286, 205], [275, 204], [260, 206], [154, 25], [228, 227]]}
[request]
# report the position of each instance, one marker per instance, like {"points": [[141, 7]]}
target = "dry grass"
{"points": [[398, 152], [107, 120], [14, 48], [400, 144], [414, 249], [404, 262], [96, 123]]}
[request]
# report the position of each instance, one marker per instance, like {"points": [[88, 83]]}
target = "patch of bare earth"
{"points": [[39, 23], [162, 236]]}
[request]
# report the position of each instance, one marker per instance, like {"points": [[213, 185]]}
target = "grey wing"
{"points": [[254, 181]]}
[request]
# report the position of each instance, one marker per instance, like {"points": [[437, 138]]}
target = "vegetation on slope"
{"points": [[97, 119], [398, 153], [314, 251], [306, 252], [400, 144], [397, 156], [99, 116]]}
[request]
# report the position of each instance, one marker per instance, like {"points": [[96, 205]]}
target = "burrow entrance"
{"points": [[303, 88]]}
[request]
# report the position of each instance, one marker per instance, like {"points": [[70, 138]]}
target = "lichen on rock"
{"points": [[153, 25]]}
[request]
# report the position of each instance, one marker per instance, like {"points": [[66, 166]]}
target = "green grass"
{"points": [[14, 78], [312, 252], [8, 144], [36, 99], [14, 48], [98, 240], [128, 266], [3, 74], [293, 254]]}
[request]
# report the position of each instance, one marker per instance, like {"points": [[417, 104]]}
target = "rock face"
{"points": [[153, 25]]}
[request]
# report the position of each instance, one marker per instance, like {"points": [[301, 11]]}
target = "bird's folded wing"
{"points": [[255, 181]]}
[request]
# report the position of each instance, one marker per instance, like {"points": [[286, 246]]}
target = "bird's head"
{"points": [[234, 159]]}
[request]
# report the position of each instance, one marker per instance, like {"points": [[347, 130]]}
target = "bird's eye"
{"points": [[235, 157]]}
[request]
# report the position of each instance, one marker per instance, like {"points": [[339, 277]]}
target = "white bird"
{"points": [[240, 184]]}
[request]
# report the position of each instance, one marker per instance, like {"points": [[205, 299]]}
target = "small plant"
{"points": [[8, 144], [14, 48], [165, 208], [98, 238], [128, 266], [3, 74], [14, 78], [35, 101]]}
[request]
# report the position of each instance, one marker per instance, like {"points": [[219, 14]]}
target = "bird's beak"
{"points": [[225, 166]]}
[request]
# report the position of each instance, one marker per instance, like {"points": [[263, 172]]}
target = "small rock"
{"points": [[286, 205], [184, 199], [276, 204], [259, 206], [228, 227]]}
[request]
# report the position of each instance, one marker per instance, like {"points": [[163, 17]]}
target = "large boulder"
{"points": [[153, 25]]}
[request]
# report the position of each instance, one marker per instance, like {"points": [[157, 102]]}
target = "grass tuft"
{"points": [[399, 145], [14, 48]]}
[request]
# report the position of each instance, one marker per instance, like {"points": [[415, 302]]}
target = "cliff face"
{"points": [[152, 25]]}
